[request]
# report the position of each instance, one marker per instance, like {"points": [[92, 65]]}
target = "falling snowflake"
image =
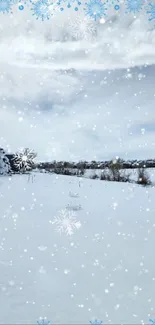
{"points": [[42, 248], [82, 28], [128, 76], [96, 263], [5, 6], [95, 9], [69, 4], [98, 237], [43, 9], [20, 3], [66, 222], [134, 5], [42, 271], [151, 11], [141, 76], [117, 7], [96, 322], [43, 321], [24, 159], [113, 3]]}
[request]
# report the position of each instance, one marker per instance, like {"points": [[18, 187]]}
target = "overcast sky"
{"points": [[59, 96]]}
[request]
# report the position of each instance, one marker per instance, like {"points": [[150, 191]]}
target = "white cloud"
{"points": [[51, 94]]}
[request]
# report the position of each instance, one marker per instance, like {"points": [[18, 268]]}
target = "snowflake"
{"points": [[98, 237], [43, 9], [128, 76], [151, 11], [114, 4], [5, 6], [134, 5], [66, 222], [69, 4], [95, 9], [141, 76], [20, 3], [24, 159], [82, 28], [43, 321], [96, 322]]}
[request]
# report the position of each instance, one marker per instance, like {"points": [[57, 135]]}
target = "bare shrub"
{"points": [[115, 174], [64, 171], [143, 177], [80, 172], [105, 175]]}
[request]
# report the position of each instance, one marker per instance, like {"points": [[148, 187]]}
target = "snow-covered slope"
{"points": [[105, 269]]}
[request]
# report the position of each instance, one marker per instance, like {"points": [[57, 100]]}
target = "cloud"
{"points": [[74, 96]]}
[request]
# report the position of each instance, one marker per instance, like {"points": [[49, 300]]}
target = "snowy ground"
{"points": [[104, 270], [53, 102]]}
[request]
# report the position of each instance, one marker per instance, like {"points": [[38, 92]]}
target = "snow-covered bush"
{"points": [[94, 175], [143, 177], [115, 174], [106, 175], [4, 163], [24, 160]]}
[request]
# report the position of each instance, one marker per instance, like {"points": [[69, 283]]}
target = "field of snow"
{"points": [[104, 270], [71, 92]]}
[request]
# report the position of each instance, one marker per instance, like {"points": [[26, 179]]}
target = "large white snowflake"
{"points": [[66, 222], [24, 159], [82, 28]]}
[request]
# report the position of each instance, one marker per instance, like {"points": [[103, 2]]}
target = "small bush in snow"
{"points": [[105, 175], [80, 172], [68, 171], [64, 171], [115, 171], [114, 174], [143, 177], [4, 163]]}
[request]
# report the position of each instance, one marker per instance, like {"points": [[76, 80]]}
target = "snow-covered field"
{"points": [[72, 93], [104, 270]]}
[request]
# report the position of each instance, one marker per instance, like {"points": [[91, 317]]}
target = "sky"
{"points": [[74, 89]]}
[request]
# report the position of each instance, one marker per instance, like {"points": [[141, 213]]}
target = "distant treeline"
{"points": [[83, 165]]}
